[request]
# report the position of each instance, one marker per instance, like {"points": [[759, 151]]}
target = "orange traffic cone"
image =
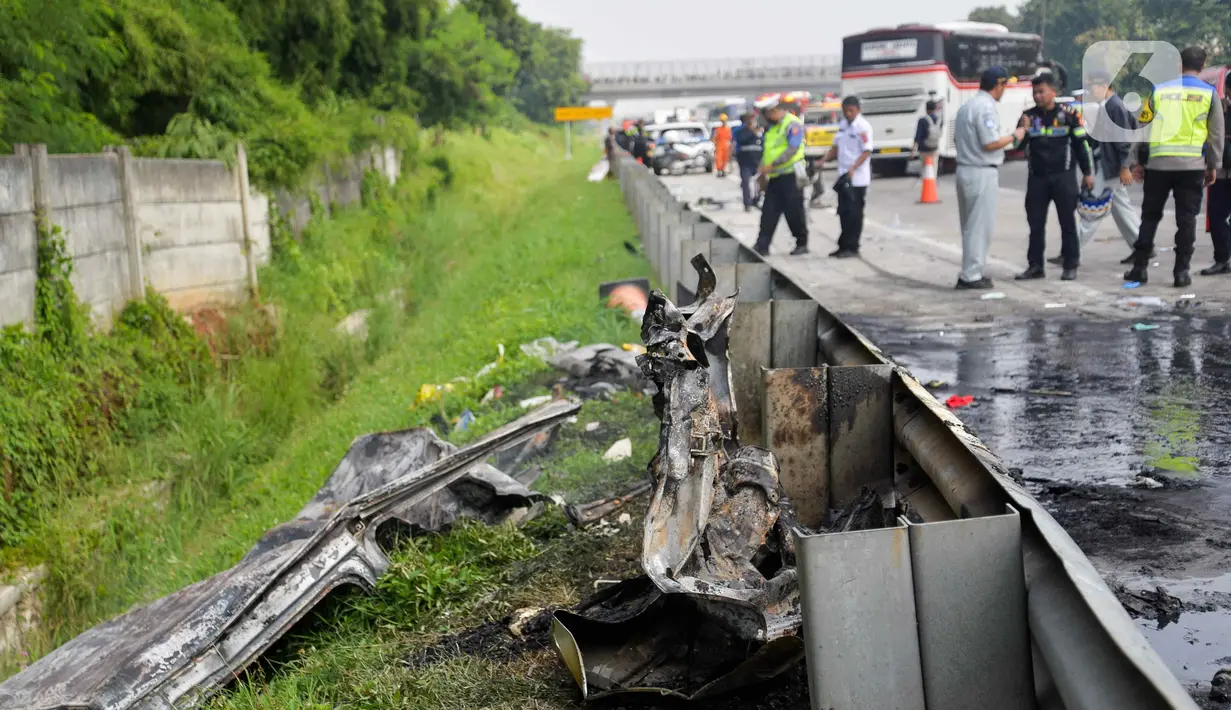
{"points": [[930, 195]]}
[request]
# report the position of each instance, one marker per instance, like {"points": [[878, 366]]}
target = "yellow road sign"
{"points": [[582, 113]]}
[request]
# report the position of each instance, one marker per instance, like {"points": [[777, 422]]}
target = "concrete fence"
{"points": [[194, 230]]}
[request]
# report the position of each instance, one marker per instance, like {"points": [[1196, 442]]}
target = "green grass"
{"points": [[495, 242]]}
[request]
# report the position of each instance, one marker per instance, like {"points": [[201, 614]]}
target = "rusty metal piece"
{"points": [[586, 513], [797, 429]]}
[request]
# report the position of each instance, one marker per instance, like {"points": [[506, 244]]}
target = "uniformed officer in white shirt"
{"points": [[853, 148]]}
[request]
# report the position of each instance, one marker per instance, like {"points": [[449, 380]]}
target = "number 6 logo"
{"points": [[1107, 63]]}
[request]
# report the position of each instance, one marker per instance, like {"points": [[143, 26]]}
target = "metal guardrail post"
{"points": [[858, 600]]}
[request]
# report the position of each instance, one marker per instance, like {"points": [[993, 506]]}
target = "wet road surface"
{"points": [[1125, 438]]}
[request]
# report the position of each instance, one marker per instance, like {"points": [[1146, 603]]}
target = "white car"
{"points": [[680, 146]]}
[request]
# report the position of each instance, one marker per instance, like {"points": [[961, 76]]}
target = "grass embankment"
{"points": [[485, 243]]}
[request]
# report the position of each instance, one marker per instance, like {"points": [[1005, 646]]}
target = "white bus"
{"points": [[896, 71]]}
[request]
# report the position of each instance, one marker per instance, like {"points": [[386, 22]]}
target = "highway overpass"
{"points": [[613, 81]]}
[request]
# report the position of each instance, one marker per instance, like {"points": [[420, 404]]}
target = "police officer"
{"points": [[782, 176], [748, 151], [1055, 138], [1182, 157]]}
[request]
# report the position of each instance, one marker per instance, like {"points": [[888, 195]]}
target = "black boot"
{"points": [[1138, 274], [1032, 272], [800, 250], [1129, 259], [1069, 275], [981, 285], [1219, 268], [1182, 279], [1056, 261]]}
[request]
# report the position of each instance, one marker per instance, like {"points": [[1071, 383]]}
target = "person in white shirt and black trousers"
{"points": [[853, 148]]}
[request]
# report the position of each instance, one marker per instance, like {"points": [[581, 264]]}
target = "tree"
{"points": [[459, 70], [996, 14]]}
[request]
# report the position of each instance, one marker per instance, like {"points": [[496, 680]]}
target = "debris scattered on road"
{"points": [[535, 401], [1145, 482], [1132, 284], [1220, 686], [464, 421], [717, 552], [958, 401], [547, 348], [632, 295], [1155, 264], [936, 384], [1055, 305], [1154, 604], [355, 325], [1144, 326], [1137, 301], [868, 511], [993, 296], [619, 451], [1042, 392], [587, 513], [173, 653]]}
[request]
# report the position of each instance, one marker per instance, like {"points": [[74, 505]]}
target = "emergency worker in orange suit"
{"points": [[722, 146]]}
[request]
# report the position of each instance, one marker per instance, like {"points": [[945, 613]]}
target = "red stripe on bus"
{"points": [[922, 70]]}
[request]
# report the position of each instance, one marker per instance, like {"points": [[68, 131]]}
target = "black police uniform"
{"points": [[1054, 141]]}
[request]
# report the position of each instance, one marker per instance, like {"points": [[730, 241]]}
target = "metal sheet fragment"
{"points": [[178, 650]]}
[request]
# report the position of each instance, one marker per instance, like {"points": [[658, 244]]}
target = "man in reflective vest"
{"points": [[782, 176], [1181, 158]]}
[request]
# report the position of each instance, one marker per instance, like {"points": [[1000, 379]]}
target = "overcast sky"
{"points": [[632, 30]]}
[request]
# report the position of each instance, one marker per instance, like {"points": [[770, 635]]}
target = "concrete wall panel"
{"points": [[101, 280], [172, 225], [92, 229], [16, 297], [82, 180], [158, 180], [16, 185], [18, 242], [196, 267]]}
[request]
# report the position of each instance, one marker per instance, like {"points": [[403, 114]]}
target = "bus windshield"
{"points": [[881, 50], [968, 55]]}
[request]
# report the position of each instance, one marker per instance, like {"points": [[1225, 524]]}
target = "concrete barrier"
{"points": [[1085, 651]]}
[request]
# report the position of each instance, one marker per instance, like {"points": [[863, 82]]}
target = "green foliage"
{"points": [[295, 80], [1069, 29], [60, 317], [66, 397], [997, 14], [549, 59], [434, 571]]}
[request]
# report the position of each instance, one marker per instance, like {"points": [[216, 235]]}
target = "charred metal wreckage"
{"points": [[718, 606], [178, 650]]}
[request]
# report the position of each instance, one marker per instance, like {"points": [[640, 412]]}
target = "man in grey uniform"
{"points": [[980, 153]]}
